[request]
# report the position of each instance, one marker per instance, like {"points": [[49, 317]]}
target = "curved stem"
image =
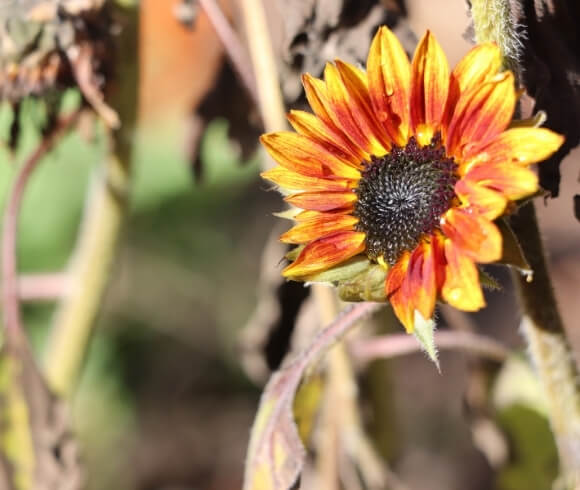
{"points": [[10, 289]]}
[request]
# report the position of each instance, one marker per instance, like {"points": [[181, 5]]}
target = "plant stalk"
{"points": [[548, 345], [106, 208]]}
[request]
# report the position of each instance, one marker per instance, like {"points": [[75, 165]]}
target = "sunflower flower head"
{"points": [[398, 175]]}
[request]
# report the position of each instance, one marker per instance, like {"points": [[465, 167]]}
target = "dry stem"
{"points": [[233, 46]]}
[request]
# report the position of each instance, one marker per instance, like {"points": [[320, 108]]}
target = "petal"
{"points": [[322, 201], [334, 141], [513, 181], [292, 180], [397, 290], [461, 288], [422, 280], [326, 252], [317, 96], [309, 215], [389, 75], [429, 87], [348, 110], [523, 145], [479, 199], [479, 65], [481, 115], [300, 154], [357, 86], [325, 224], [475, 235]]}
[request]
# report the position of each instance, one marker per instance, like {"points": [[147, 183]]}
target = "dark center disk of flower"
{"points": [[402, 195]]}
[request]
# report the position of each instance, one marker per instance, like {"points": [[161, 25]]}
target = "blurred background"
{"points": [[164, 403]]}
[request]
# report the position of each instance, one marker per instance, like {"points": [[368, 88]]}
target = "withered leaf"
{"points": [[315, 32], [37, 451], [551, 72]]}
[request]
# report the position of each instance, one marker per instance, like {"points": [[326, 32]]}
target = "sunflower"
{"points": [[407, 165]]}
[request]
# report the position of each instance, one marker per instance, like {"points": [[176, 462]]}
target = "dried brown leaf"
{"points": [[551, 72], [315, 32], [37, 451]]}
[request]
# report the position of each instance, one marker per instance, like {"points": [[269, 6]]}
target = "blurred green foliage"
{"points": [[183, 228]]}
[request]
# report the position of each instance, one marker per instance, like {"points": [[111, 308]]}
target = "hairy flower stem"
{"points": [[493, 21], [542, 325], [548, 345], [104, 215]]}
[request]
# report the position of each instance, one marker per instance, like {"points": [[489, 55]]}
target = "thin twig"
{"points": [[10, 293], [266, 72], [395, 345], [43, 287], [237, 55]]}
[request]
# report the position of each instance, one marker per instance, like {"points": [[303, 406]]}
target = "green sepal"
{"points": [[293, 254], [512, 253], [537, 120], [368, 285], [489, 282], [342, 272], [424, 333]]}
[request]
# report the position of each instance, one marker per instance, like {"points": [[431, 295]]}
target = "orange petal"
{"points": [[429, 86], [300, 154], [475, 235], [398, 294], [325, 224], [523, 145], [478, 66], [349, 108], [512, 180], [389, 76], [357, 86], [309, 215], [291, 180], [422, 279], [479, 199], [326, 252], [317, 96], [481, 115], [332, 140], [322, 201], [461, 288]]}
